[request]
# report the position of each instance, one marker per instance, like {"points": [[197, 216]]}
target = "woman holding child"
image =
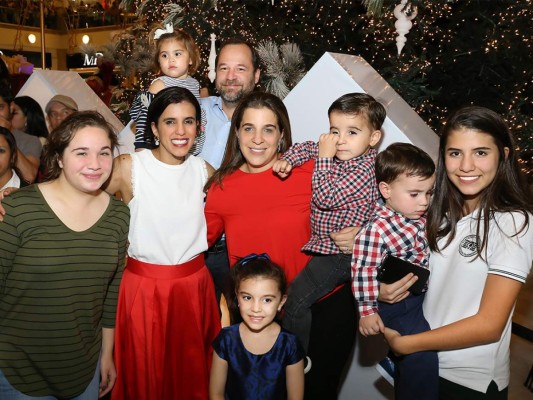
{"points": [[481, 242], [262, 213]]}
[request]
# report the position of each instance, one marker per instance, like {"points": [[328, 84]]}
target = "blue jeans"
{"points": [[322, 274], [417, 374], [8, 392]]}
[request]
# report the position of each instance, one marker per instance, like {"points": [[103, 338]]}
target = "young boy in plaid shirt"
{"points": [[344, 193], [405, 176]]}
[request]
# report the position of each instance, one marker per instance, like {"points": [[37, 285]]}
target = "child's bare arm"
{"points": [[295, 381], [217, 381], [371, 325], [156, 86]]}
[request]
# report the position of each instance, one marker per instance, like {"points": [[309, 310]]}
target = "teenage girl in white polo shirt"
{"points": [[479, 231]]}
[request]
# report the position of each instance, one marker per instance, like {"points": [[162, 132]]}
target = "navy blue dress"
{"points": [[252, 376]]}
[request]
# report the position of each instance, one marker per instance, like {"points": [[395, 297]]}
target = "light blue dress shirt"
{"points": [[216, 131]]}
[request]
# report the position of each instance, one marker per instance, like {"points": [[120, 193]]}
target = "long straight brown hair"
{"points": [[506, 193], [233, 157]]}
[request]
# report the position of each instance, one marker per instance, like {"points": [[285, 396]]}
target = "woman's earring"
{"points": [[279, 147], [156, 140]]}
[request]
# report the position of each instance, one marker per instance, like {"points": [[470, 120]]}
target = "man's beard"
{"points": [[232, 96]]}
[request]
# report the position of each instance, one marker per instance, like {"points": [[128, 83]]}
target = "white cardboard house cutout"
{"points": [[332, 76], [43, 85], [336, 74]]}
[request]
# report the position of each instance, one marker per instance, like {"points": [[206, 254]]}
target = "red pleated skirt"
{"points": [[167, 317]]}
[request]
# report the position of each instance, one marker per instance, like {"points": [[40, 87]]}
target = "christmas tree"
{"points": [[458, 52]]}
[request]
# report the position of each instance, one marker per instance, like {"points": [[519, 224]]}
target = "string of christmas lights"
{"points": [[458, 52]]}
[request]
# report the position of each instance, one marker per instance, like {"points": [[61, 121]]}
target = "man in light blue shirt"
{"points": [[237, 68], [217, 130]]}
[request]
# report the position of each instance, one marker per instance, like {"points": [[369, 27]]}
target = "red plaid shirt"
{"points": [[344, 193], [387, 233]]}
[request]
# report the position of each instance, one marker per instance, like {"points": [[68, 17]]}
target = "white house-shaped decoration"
{"points": [[42, 85], [336, 74]]}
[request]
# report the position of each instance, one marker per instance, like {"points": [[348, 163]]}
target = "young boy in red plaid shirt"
{"points": [[405, 176], [344, 193]]}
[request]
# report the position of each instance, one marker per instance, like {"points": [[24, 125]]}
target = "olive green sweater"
{"points": [[58, 288]]}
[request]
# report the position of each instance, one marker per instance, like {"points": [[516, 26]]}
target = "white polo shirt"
{"points": [[456, 286]]}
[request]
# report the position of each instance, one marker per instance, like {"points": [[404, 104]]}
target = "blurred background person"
{"points": [[28, 147], [5, 79], [27, 116], [58, 108], [8, 158]]}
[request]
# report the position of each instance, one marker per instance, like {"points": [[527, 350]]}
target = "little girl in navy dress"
{"points": [[257, 358]]}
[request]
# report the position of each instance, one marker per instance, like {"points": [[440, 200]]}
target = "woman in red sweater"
{"points": [[262, 213]]}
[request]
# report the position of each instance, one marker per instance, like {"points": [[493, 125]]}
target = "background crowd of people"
{"points": [[63, 14]]}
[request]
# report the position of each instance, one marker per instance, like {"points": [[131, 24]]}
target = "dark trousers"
{"points": [[321, 275], [452, 391], [331, 343], [417, 374], [216, 259]]}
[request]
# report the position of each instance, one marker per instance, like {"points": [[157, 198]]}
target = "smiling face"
{"points": [[259, 136], [408, 195], [471, 159], [18, 119], [356, 135], [176, 131], [174, 59], [236, 76], [87, 160], [259, 300]]}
